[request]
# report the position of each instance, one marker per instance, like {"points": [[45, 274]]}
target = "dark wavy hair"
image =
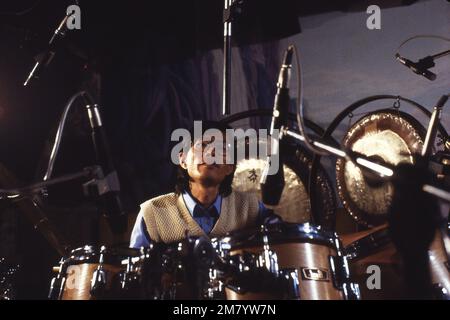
{"points": [[183, 179]]}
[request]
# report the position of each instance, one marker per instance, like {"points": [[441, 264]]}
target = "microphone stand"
{"points": [[99, 182], [24, 197], [383, 170], [44, 59], [230, 11]]}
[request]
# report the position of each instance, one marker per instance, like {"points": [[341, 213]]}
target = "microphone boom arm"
{"points": [[383, 170], [422, 65]]}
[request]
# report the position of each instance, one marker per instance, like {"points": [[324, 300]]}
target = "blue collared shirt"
{"points": [[206, 223], [141, 238]]}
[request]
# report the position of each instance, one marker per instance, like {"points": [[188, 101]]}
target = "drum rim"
{"points": [[304, 232], [368, 244], [85, 253]]}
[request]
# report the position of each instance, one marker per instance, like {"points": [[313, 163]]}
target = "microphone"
{"points": [[272, 185], [420, 68], [109, 190], [44, 59]]}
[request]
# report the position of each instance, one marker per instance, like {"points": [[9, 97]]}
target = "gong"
{"points": [[390, 136], [295, 202]]}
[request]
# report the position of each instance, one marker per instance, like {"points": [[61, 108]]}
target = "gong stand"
{"points": [[348, 112], [433, 126]]}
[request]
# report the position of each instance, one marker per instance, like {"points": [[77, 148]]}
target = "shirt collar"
{"points": [[191, 203]]}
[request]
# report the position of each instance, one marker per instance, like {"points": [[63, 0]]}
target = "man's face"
{"points": [[199, 161]]}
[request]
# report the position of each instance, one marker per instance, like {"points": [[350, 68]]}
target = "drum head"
{"points": [[393, 137], [276, 234]]}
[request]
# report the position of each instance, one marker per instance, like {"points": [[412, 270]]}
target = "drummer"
{"points": [[203, 202]]}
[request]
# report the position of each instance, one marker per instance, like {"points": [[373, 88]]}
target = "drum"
{"points": [[91, 274], [308, 258], [372, 250], [438, 254], [176, 271]]}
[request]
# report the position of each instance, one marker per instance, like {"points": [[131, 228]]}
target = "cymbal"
{"points": [[295, 202], [294, 205], [392, 137]]}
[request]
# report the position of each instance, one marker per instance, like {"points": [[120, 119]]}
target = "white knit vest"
{"points": [[168, 219]]}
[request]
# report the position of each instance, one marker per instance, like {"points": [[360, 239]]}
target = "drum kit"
{"points": [[271, 262], [279, 261], [294, 259]]}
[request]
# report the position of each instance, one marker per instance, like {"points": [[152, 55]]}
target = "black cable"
{"points": [[421, 36], [300, 108]]}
